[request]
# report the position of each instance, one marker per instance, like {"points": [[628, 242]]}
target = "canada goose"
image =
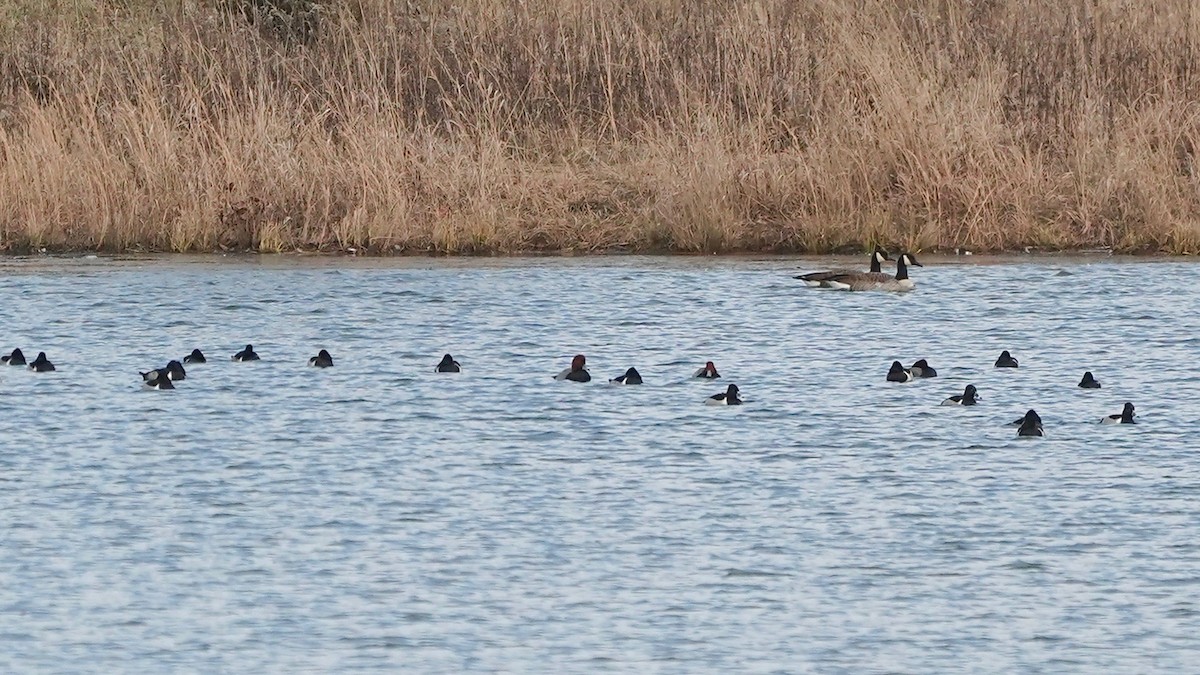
{"points": [[816, 279], [968, 397], [878, 281], [1031, 425], [1006, 360], [921, 369], [1089, 382], [1125, 417], [631, 376], [728, 397], [898, 373]]}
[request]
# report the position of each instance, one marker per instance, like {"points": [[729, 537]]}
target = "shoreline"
{"points": [[338, 260], [615, 127]]}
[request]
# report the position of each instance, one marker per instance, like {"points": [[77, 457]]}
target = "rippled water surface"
{"points": [[376, 516]]}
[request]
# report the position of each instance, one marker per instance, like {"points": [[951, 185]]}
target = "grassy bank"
{"points": [[593, 125]]}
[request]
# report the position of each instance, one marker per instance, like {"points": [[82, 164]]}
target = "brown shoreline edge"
{"points": [[491, 127]]}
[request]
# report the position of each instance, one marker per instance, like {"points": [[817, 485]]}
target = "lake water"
{"points": [[269, 517]]}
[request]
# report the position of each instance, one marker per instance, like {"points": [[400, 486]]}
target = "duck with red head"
{"points": [[577, 372], [708, 372]]}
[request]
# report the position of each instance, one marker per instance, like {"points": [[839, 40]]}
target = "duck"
{"points": [[1125, 416], [246, 354], [321, 360], [1006, 360], [968, 397], [175, 371], [728, 397], [631, 376], [196, 356], [448, 365], [1088, 381], [577, 372], [820, 279], [898, 373], [41, 364], [16, 358], [922, 369], [708, 372], [158, 378], [878, 281], [1031, 425]]}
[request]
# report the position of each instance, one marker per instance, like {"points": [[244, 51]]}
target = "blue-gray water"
{"points": [[376, 516]]}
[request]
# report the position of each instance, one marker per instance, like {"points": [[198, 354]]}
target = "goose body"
{"points": [[821, 279], [968, 397], [898, 373], [877, 281], [1124, 417], [728, 397], [1031, 425], [577, 372], [1006, 360], [447, 365], [1089, 381], [631, 376]]}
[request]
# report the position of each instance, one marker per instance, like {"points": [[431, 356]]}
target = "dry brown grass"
{"points": [[594, 125]]}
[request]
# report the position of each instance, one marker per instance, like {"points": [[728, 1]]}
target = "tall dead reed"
{"points": [[486, 126]]}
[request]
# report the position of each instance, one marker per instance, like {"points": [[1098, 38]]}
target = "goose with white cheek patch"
{"points": [[448, 365], [631, 376], [1125, 416], [321, 360], [878, 281], [708, 372], [1089, 381], [577, 372], [728, 397], [969, 396], [821, 279], [898, 373], [16, 358], [1006, 360]]}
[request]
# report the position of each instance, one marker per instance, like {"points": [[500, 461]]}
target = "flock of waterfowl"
{"points": [[165, 377], [839, 279], [876, 280]]}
